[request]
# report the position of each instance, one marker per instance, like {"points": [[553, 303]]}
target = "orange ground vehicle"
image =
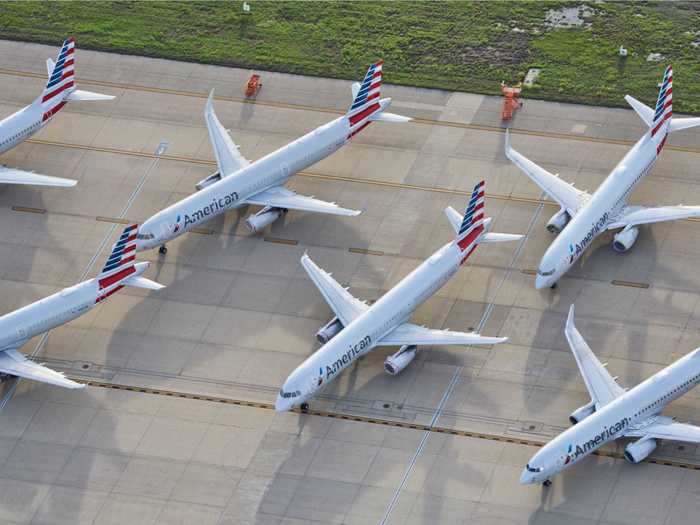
{"points": [[253, 85], [511, 102]]}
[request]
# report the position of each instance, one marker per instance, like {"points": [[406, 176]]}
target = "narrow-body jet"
{"points": [[584, 216], [615, 412], [18, 327], [239, 182], [18, 127], [357, 328]]}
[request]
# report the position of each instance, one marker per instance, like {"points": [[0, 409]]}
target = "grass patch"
{"points": [[468, 46]]}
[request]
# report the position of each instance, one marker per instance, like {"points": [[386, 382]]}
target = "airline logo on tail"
{"points": [[366, 101], [61, 80], [664, 104], [473, 222], [120, 263]]}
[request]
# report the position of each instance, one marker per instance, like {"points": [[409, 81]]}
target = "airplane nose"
{"points": [[282, 405], [526, 477], [540, 282]]}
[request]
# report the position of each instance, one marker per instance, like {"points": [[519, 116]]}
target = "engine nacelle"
{"points": [[558, 221], [262, 219], [624, 240], [639, 450], [394, 364], [582, 413], [211, 179], [329, 331]]}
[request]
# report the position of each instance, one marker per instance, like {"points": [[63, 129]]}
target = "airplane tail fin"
{"points": [[473, 223], [366, 105], [664, 105], [121, 268], [60, 87]]}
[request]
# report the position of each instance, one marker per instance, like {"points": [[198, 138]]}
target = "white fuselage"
{"points": [[233, 189], [55, 310], [362, 334], [609, 423], [21, 125], [594, 216]]}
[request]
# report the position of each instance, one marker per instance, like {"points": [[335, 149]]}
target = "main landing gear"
{"points": [[162, 250], [304, 407], [553, 287], [547, 483]]}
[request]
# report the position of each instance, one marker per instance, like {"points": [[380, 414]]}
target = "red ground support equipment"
{"points": [[511, 102], [253, 85]]}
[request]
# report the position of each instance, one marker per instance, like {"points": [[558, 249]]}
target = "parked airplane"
{"points": [[16, 328], [614, 412], [357, 328], [239, 182], [586, 216], [21, 125]]}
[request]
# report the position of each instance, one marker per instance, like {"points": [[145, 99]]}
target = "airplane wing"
{"points": [[228, 158], [17, 364], [666, 428], [343, 304], [564, 193], [412, 334], [281, 197], [601, 385], [15, 176], [636, 215]]}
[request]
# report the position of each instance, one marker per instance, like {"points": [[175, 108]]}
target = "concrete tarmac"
{"points": [[239, 313]]}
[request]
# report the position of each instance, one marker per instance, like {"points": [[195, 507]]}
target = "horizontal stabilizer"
{"points": [[14, 176], [82, 95], [15, 363], [499, 237], [142, 282], [678, 124], [389, 117], [644, 111]]}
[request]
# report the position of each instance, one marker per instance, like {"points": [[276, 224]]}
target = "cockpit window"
{"points": [[545, 274], [145, 236], [533, 469], [287, 395]]}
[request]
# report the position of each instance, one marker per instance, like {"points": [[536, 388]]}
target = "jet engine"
{"points": [[394, 364], [329, 331], [582, 413], [263, 218], [211, 179], [624, 240], [639, 450], [558, 221]]}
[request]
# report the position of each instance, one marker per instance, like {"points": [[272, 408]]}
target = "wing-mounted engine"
{"points": [[263, 218], [639, 450], [558, 221], [582, 413], [329, 330], [394, 364], [211, 179], [624, 240]]}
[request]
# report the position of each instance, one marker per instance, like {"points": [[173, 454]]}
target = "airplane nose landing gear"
{"points": [[304, 407], [547, 483], [162, 250]]}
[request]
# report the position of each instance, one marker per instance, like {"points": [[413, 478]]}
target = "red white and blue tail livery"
{"points": [[60, 88], [664, 103], [366, 106], [16, 328]]}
